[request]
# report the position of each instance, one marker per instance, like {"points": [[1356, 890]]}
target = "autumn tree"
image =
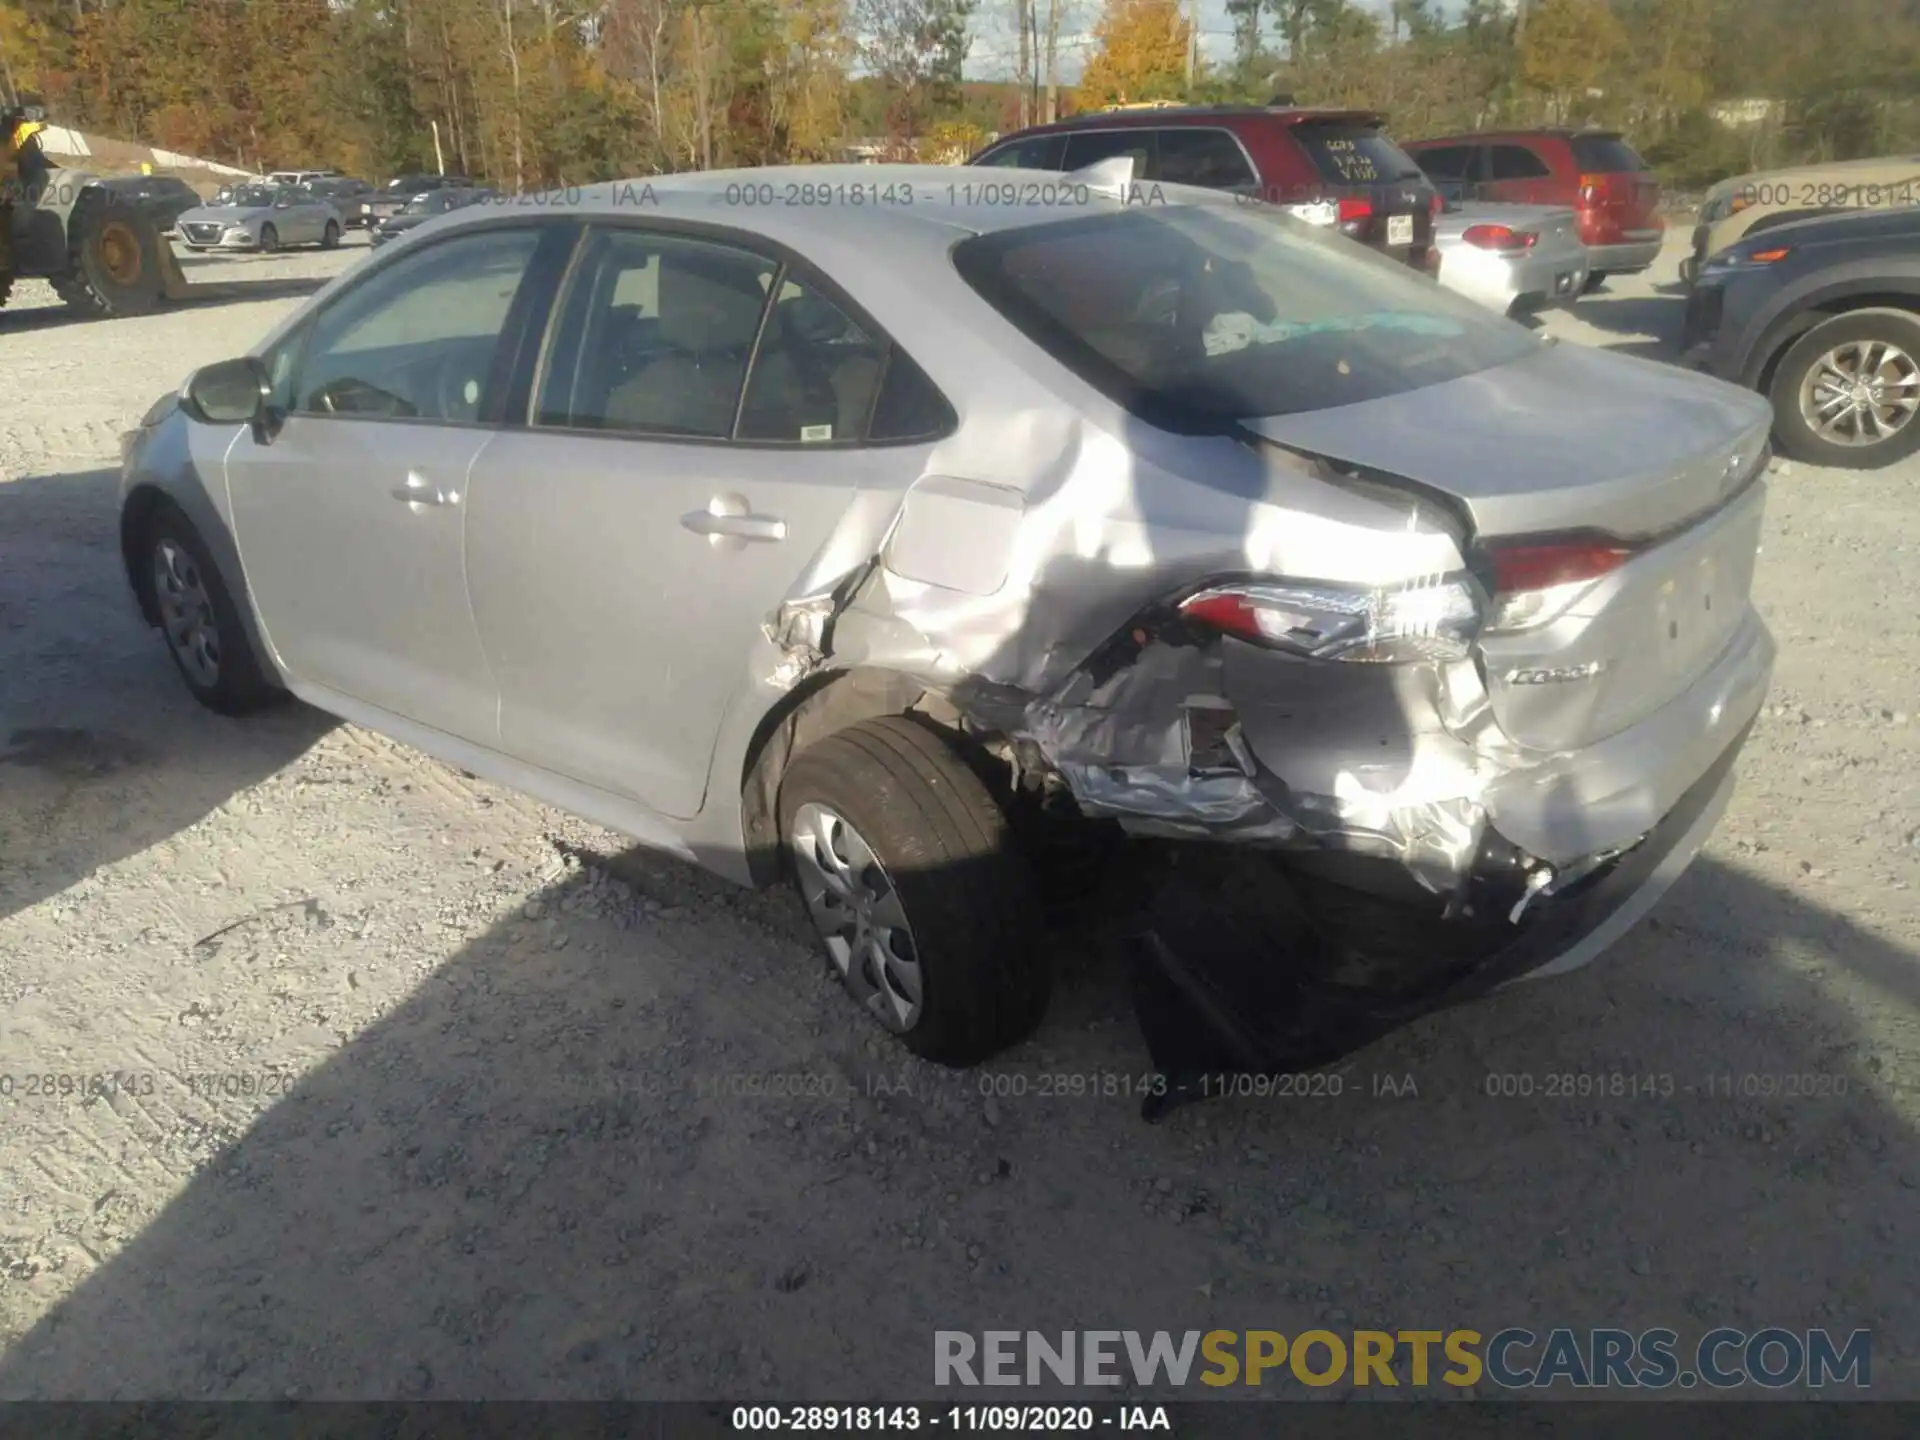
{"points": [[1142, 53], [1566, 50], [915, 50]]}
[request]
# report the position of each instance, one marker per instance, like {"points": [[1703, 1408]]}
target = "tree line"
{"points": [[528, 93]]}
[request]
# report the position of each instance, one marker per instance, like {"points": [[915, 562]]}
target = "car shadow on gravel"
{"points": [[1648, 324], [102, 751], [611, 1149]]}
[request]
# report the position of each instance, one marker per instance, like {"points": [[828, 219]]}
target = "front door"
{"points": [[350, 518]]}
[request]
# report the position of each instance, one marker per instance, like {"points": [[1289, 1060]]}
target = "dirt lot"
{"points": [[429, 1091]]}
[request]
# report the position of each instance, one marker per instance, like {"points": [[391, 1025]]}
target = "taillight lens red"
{"points": [[1354, 207], [1518, 568], [1500, 237], [1437, 203], [1534, 584]]}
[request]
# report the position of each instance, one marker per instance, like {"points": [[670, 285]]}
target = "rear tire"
{"points": [[1829, 348], [330, 237], [113, 259], [1595, 279], [910, 872], [199, 619]]}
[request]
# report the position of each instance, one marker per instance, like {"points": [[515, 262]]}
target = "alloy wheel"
{"points": [[859, 915], [1860, 393], [186, 613]]}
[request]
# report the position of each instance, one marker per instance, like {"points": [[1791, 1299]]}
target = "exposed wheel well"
{"points": [[820, 705], [1818, 315]]}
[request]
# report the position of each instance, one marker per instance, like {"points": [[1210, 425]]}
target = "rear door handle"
{"points": [[728, 518], [420, 491]]}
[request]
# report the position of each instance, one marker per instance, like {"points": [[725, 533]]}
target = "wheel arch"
{"points": [[149, 498], [1816, 311], [824, 703]]}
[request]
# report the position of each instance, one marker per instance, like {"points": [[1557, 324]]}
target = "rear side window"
{"points": [[1516, 162], [1605, 155], [1447, 162], [814, 374], [1354, 154], [910, 406], [1037, 152], [1092, 146], [1197, 156]]}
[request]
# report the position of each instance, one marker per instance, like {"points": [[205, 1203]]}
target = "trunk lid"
{"points": [[1574, 441], [1566, 439]]}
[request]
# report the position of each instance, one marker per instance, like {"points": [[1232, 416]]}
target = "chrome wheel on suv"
{"points": [[1848, 391]]}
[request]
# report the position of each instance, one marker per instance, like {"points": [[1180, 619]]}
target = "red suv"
{"points": [[1595, 172], [1335, 167]]}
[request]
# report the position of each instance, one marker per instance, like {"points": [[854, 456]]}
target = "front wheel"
{"points": [[269, 239], [1847, 392], [330, 237], [1595, 279], [909, 870], [200, 620]]}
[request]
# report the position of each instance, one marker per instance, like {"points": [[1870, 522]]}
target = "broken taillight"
{"points": [[1534, 583], [1422, 620]]}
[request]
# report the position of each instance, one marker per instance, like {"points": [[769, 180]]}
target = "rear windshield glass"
{"points": [[1355, 154], [1197, 316], [1605, 154]]}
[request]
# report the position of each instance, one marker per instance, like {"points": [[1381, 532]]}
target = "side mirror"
{"points": [[229, 392]]}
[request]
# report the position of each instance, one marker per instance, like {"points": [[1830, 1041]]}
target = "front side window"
{"points": [[655, 335], [1446, 162], [417, 339], [1196, 316]]}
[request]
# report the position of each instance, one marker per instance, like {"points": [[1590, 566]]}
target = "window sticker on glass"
{"points": [[816, 432]]}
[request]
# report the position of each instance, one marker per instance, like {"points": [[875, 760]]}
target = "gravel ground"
{"points": [[426, 1090]]}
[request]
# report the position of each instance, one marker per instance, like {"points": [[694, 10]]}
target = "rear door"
{"points": [[627, 546], [1619, 195], [1382, 198]]}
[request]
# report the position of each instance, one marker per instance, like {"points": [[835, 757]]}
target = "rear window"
{"points": [[1605, 155], [1354, 154], [1194, 317]]}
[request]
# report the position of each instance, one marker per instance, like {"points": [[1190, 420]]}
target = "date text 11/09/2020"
{"points": [[901, 1419]]}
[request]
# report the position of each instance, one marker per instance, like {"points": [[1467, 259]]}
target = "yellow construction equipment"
{"points": [[102, 254]]}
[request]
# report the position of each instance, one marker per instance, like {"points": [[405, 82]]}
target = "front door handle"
{"points": [[727, 518], [420, 491]]}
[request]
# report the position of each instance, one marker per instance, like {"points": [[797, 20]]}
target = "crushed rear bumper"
{"points": [[1215, 1002]]}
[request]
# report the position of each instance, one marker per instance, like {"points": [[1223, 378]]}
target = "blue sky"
{"points": [[995, 42]]}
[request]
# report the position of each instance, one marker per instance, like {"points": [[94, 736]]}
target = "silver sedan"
{"points": [[264, 218], [1513, 259], [1409, 654]]}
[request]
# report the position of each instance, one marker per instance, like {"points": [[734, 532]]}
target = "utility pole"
{"points": [[1053, 59]]}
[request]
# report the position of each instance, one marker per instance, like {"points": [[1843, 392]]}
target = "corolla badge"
{"points": [[1556, 675]]}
